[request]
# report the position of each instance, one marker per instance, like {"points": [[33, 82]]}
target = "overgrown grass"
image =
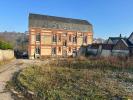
{"points": [[77, 80]]}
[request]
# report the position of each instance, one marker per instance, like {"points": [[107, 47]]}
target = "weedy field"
{"points": [[77, 79]]}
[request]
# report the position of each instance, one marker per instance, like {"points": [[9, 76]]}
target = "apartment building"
{"points": [[51, 36]]}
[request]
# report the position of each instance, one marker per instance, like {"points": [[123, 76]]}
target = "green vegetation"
{"points": [[18, 40], [4, 45], [76, 80]]}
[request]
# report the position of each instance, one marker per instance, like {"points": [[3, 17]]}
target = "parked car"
{"points": [[25, 55]]}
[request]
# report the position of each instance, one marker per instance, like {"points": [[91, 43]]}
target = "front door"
{"points": [[37, 52]]}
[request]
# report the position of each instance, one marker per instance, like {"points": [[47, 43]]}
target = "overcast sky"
{"points": [[109, 17]]}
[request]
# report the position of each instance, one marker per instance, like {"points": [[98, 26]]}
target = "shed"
{"points": [[93, 49], [121, 48], [106, 50]]}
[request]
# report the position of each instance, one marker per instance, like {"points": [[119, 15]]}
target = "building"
{"points": [[92, 50], [121, 48], [130, 44], [98, 40], [114, 40], [115, 46], [51, 36], [131, 38], [103, 50], [106, 50]]}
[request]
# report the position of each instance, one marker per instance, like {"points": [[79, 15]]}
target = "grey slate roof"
{"points": [[131, 38], [128, 42], [45, 21], [114, 39]]}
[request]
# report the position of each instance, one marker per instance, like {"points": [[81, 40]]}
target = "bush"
{"points": [[4, 45]]}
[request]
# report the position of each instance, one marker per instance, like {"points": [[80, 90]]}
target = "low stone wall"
{"points": [[6, 55]]}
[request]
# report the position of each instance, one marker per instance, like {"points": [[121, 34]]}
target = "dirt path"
{"points": [[6, 73]]}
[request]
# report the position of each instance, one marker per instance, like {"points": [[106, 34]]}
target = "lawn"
{"points": [[77, 80]]}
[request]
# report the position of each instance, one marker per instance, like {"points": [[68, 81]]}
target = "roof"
{"points": [[130, 38], [130, 35], [115, 39], [45, 21], [104, 46], [128, 43], [107, 46], [94, 46]]}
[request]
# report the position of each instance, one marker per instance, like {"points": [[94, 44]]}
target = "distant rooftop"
{"points": [[104, 46], [115, 39], [127, 42], [45, 21]]}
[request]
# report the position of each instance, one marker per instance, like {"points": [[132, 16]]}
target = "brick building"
{"points": [[51, 36]]}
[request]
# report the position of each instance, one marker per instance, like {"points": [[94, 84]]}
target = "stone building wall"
{"points": [[62, 36]]}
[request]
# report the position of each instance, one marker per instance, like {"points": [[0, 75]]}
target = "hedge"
{"points": [[4, 45]]}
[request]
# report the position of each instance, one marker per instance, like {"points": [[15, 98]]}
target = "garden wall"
{"points": [[6, 54]]}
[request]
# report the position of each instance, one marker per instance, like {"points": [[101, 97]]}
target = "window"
{"points": [[38, 37], [70, 38], [59, 37], [37, 50], [69, 49], [74, 39], [85, 39], [65, 34], [59, 50], [64, 43], [54, 38], [54, 50], [81, 34]]}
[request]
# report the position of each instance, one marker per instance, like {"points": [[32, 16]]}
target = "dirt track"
{"points": [[6, 73]]}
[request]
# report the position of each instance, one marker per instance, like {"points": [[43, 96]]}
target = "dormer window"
{"points": [[38, 37], [54, 26], [65, 28]]}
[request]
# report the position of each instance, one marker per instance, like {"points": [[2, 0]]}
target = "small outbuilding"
{"points": [[106, 50], [93, 49], [115, 46], [121, 48]]}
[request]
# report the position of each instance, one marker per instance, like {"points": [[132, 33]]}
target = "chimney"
{"points": [[120, 36]]}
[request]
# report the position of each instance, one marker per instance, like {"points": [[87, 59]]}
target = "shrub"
{"points": [[4, 45]]}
